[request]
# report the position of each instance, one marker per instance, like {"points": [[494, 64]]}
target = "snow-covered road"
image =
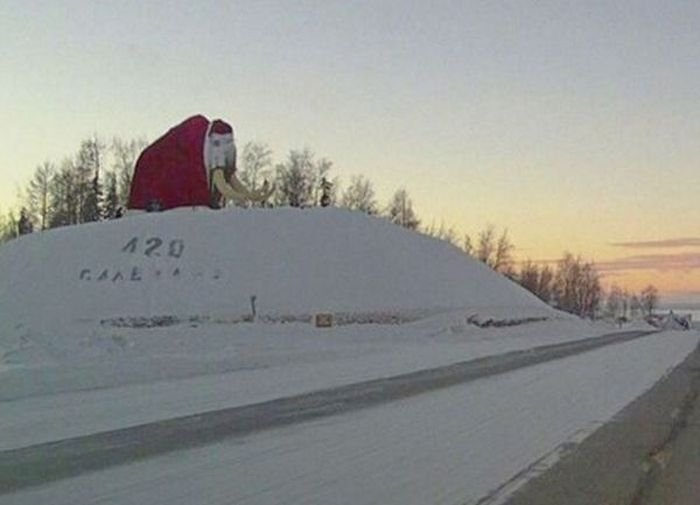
{"points": [[39, 463], [455, 445]]}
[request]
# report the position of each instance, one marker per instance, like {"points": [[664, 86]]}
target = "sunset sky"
{"points": [[573, 124]]}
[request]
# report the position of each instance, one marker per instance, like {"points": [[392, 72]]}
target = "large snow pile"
{"points": [[141, 319], [210, 264]]}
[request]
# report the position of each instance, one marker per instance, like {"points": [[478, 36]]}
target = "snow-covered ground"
{"points": [[73, 313], [168, 372], [203, 263], [150, 317]]}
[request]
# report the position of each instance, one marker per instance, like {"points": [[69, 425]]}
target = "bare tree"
{"points": [[577, 286], [503, 258], [360, 196], [400, 210], [293, 187], [37, 194], [255, 163], [299, 180], [635, 306], [626, 304], [496, 253], [486, 246], [614, 301], [545, 284], [468, 246], [125, 155], [536, 279], [590, 293], [529, 276], [447, 234], [649, 299]]}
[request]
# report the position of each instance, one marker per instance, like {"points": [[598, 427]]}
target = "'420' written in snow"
{"points": [[141, 248]]}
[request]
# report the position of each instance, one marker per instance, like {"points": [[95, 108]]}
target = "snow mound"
{"points": [[202, 263]]}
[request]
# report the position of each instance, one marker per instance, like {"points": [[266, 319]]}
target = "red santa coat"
{"points": [[171, 172]]}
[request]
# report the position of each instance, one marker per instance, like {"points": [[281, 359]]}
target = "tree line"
{"points": [[571, 284], [94, 184], [91, 185]]}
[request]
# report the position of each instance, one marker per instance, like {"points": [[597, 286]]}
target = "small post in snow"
{"points": [[253, 298]]}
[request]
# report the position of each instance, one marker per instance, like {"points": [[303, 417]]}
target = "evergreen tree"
{"points": [[63, 198], [326, 192], [8, 227], [3, 226], [92, 206], [319, 173], [24, 224], [111, 200], [89, 188]]}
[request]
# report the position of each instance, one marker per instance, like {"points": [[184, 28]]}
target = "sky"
{"points": [[572, 124]]}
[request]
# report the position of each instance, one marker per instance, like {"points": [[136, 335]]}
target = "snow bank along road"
{"points": [[37, 464]]}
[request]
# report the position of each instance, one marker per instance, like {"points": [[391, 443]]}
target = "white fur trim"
{"points": [[205, 150]]}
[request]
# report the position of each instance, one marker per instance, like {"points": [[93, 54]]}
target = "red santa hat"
{"points": [[220, 127]]}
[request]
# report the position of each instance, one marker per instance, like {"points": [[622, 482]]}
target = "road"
{"points": [[40, 463], [455, 445]]}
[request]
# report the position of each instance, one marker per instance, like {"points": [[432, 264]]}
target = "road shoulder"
{"points": [[639, 457]]}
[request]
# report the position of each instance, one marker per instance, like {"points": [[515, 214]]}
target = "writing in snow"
{"points": [[152, 247], [138, 274]]}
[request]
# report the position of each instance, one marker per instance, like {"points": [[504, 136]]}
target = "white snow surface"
{"points": [[63, 348], [202, 262], [75, 357], [73, 300]]}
